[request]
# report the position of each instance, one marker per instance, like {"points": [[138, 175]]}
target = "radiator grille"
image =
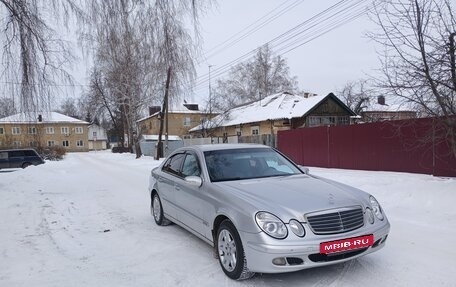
{"points": [[336, 221]]}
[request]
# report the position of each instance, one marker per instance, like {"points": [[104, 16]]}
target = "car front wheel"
{"points": [[157, 211], [231, 253]]}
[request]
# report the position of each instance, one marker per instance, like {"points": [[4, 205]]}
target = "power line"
{"points": [[224, 68], [331, 18], [242, 35]]}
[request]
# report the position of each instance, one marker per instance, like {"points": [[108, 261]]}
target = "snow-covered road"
{"points": [[85, 221]]}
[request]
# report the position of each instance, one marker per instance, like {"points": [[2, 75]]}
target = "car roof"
{"points": [[211, 147], [16, 149]]}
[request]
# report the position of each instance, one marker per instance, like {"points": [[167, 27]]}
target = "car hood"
{"points": [[294, 196]]}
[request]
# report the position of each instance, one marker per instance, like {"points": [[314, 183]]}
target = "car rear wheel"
{"points": [[26, 164], [231, 253], [156, 209]]}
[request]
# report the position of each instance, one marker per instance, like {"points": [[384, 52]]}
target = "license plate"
{"points": [[346, 244]]}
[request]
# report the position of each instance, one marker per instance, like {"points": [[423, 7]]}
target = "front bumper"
{"points": [[302, 253]]}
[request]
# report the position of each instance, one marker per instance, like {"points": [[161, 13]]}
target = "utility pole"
{"points": [[210, 102], [210, 90], [163, 115]]}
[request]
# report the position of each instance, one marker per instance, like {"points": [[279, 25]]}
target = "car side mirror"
{"points": [[304, 169], [194, 180]]}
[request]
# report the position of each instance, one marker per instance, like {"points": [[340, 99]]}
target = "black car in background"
{"points": [[19, 158]]}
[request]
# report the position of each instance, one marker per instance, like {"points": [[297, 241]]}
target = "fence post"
{"points": [[329, 152]]}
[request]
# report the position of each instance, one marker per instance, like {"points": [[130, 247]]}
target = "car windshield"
{"points": [[247, 163]]}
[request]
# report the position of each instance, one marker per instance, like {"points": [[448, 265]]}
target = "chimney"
{"points": [[154, 109], [381, 100], [40, 118], [192, 107]]}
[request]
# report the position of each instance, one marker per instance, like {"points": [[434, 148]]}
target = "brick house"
{"points": [[282, 111], [179, 121], [43, 130]]}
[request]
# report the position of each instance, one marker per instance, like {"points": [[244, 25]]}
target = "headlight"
{"points": [[297, 228], [376, 208], [271, 225]]}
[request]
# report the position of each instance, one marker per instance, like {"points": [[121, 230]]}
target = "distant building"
{"points": [[98, 139], [282, 111], [43, 130], [179, 121], [382, 111], [148, 144]]}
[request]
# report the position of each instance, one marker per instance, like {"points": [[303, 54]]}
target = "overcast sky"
{"points": [[322, 65]]}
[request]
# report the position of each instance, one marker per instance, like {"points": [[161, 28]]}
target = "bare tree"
{"points": [[69, 107], [418, 61], [144, 55], [356, 95], [7, 107], [34, 57], [264, 75]]}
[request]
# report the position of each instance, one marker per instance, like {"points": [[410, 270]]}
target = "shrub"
{"points": [[51, 153], [120, 149]]}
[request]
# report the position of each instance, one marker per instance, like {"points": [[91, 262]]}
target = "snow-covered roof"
{"points": [[274, 107], [173, 112], [155, 138], [47, 117], [389, 107]]}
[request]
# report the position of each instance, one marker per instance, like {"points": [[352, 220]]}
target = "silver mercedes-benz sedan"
{"points": [[263, 213]]}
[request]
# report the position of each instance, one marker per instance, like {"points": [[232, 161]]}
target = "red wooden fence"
{"points": [[407, 146]]}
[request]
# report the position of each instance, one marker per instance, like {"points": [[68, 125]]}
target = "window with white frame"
{"points": [[49, 130], [79, 143], [344, 120], [2, 131], [94, 134], [65, 143], [33, 144], [64, 130], [78, 130], [16, 130], [17, 144], [51, 143], [255, 130], [238, 132], [187, 121], [315, 121], [32, 131]]}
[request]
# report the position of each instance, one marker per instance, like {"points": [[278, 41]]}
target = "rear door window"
{"points": [[3, 155], [16, 153], [174, 164]]}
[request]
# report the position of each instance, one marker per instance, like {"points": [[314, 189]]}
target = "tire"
{"points": [[26, 164], [156, 210], [231, 253]]}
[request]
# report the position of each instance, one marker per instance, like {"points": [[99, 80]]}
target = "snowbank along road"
{"points": [[85, 221]]}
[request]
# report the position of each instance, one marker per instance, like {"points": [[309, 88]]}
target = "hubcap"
{"points": [[227, 250], [156, 208]]}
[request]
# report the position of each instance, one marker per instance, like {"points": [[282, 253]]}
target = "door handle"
{"points": [[160, 179], [176, 187]]}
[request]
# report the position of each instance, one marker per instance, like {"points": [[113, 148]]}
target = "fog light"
{"points": [[279, 261], [370, 215]]}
